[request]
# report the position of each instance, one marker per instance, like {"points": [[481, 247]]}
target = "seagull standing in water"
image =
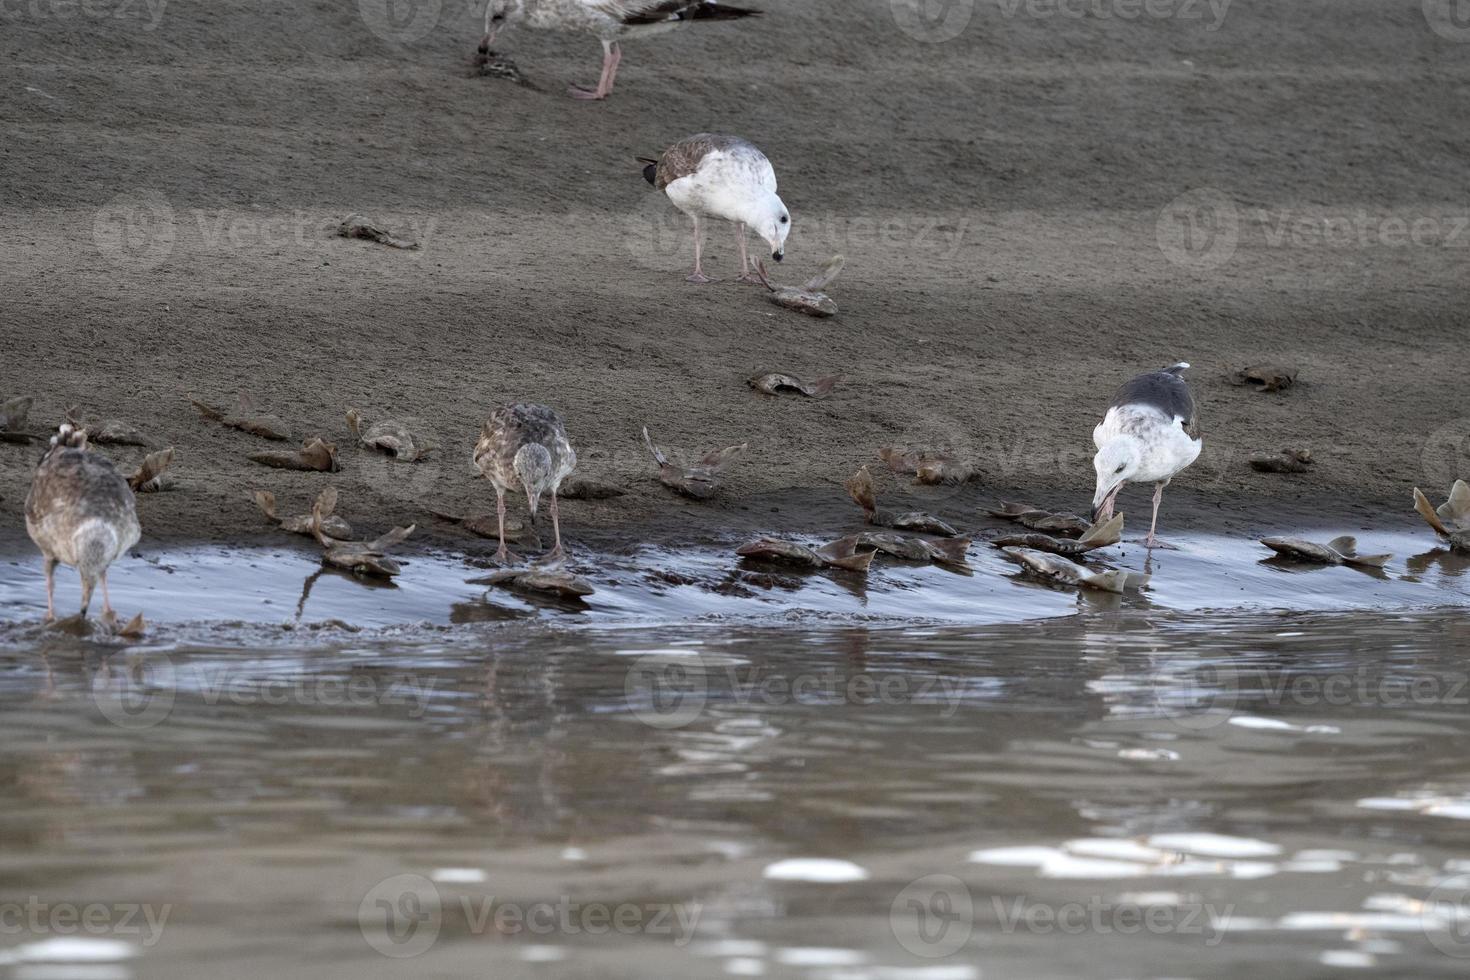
{"points": [[524, 446], [80, 512], [712, 175], [609, 20], [1149, 435]]}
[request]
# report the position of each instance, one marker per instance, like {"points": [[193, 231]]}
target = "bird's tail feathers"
{"points": [[650, 170], [1179, 368]]}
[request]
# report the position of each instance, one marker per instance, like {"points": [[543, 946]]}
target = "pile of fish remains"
{"points": [[855, 552], [1044, 554]]}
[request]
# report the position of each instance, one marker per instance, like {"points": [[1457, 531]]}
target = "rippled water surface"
{"points": [[1118, 790]]}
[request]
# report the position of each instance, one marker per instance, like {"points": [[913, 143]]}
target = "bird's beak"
{"points": [[489, 40], [1102, 502], [779, 254], [533, 499]]}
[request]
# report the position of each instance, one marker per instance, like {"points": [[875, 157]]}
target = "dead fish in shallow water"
{"points": [[150, 476], [388, 435], [950, 551], [1286, 461], [246, 418], [551, 580], [774, 384], [1100, 535], [1266, 377], [698, 480], [807, 298], [332, 525], [1339, 551], [357, 557], [315, 454], [927, 468], [1040, 520], [1059, 569], [1450, 519], [834, 555], [860, 487], [356, 226]]}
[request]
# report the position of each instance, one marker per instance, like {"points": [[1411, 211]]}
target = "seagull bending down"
{"points": [[610, 20], [1149, 435], [525, 447], [718, 176]]}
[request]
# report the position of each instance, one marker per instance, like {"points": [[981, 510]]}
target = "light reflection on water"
{"points": [[1277, 792]]}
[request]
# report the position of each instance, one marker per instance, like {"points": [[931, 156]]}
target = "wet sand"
{"points": [[171, 195]]}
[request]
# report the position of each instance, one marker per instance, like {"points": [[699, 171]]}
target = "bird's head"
{"points": [[1116, 463], [772, 222], [500, 14], [533, 466]]}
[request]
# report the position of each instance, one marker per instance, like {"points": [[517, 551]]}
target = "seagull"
{"points": [[1149, 435], [525, 446], [720, 176], [608, 19], [79, 512]]}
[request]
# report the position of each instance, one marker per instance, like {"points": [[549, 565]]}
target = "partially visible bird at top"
{"points": [[525, 447], [609, 20], [1149, 435], [80, 512], [719, 176]]}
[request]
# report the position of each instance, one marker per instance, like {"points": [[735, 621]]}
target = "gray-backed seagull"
{"points": [[717, 176], [1149, 435], [610, 20]]}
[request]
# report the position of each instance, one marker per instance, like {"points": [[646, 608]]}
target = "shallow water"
{"points": [[648, 586], [1128, 788]]}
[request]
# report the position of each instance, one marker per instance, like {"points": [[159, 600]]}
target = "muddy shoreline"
{"points": [[1010, 259]]}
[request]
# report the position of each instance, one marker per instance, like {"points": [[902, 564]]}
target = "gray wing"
{"points": [[1164, 390], [684, 157]]}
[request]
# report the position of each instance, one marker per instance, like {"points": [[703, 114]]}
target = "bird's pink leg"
{"points": [[612, 76], [604, 83], [503, 555], [106, 599], [1151, 541], [557, 551], [50, 589], [747, 273], [698, 274]]}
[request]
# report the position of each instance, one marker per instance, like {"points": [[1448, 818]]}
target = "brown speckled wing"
{"points": [[685, 156]]}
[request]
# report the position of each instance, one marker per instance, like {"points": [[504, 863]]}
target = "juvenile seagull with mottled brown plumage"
{"points": [[80, 512], [525, 447], [719, 176], [609, 20]]}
